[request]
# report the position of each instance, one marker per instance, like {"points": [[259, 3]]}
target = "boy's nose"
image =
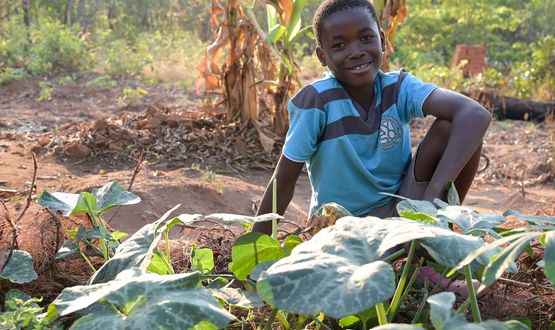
{"points": [[356, 51]]}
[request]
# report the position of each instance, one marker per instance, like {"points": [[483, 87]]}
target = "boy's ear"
{"points": [[382, 36], [321, 57]]}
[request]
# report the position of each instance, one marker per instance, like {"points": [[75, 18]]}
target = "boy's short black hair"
{"points": [[329, 7]]}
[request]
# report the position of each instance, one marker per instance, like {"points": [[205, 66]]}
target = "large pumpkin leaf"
{"points": [[338, 272], [503, 260], [227, 218], [469, 221], [136, 251], [416, 206], [144, 301], [64, 202], [534, 219], [112, 194], [19, 269], [238, 298], [251, 249], [443, 316]]}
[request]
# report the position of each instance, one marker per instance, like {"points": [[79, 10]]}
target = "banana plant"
{"points": [[284, 28]]}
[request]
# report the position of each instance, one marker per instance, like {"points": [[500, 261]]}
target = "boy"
{"points": [[351, 128]]}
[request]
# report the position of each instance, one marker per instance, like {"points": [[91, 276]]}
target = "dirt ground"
{"points": [[87, 136]]}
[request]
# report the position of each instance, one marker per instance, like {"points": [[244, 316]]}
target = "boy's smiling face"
{"points": [[351, 46]]}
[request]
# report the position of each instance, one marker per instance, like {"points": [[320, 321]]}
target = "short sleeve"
{"points": [[306, 124], [412, 94]]}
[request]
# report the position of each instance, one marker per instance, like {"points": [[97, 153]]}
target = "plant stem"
{"points": [[271, 319], [413, 278], [421, 306], [283, 319], [209, 276], [472, 295], [88, 261], [97, 223], [320, 323], [394, 256], [274, 209], [382, 317], [401, 285], [300, 322]]}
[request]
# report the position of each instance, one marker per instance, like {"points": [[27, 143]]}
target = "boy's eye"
{"points": [[338, 45], [367, 38]]}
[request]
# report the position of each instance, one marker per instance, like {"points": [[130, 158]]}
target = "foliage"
{"points": [[22, 312], [339, 273], [45, 45], [20, 267], [514, 33], [94, 204]]}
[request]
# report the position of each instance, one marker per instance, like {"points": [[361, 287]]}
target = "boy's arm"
{"points": [[287, 172], [469, 122]]}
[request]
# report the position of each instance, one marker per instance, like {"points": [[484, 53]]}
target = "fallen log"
{"points": [[505, 107]]}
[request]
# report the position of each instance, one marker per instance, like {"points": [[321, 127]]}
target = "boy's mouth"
{"points": [[359, 67]]}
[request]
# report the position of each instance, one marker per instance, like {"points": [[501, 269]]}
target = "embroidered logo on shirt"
{"points": [[390, 132]]}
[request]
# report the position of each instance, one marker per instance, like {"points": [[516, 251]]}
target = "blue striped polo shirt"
{"points": [[351, 154]]}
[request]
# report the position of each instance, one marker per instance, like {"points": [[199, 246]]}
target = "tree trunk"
{"points": [[69, 9], [513, 108], [26, 15], [80, 14]]}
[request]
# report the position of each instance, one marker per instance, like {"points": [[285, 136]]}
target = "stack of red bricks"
{"points": [[475, 56]]}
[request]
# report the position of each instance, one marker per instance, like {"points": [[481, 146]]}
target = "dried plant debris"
{"points": [[164, 134]]}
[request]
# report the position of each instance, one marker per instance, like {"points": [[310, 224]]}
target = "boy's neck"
{"points": [[362, 96]]}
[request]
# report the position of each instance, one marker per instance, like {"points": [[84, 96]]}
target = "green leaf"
{"points": [[118, 235], [204, 257], [271, 16], [490, 248], [275, 34], [204, 325], [251, 249], [443, 317], [238, 298], [501, 261], [452, 194], [100, 200], [136, 251], [339, 272], [261, 267], [416, 206], [86, 203], [529, 218], [469, 220], [157, 264], [19, 269], [226, 218], [58, 201], [393, 326], [149, 301], [549, 257], [290, 243], [417, 216], [294, 24], [112, 194]]}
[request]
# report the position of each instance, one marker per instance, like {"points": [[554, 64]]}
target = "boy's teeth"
{"points": [[359, 67]]}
